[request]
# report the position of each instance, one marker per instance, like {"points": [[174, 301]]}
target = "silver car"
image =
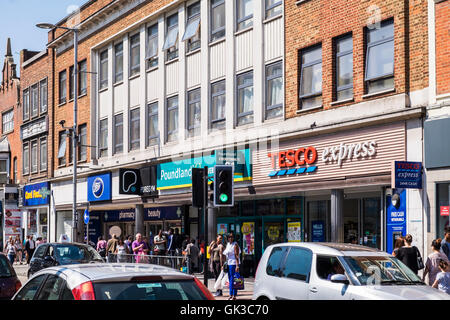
{"points": [[112, 281], [331, 271]]}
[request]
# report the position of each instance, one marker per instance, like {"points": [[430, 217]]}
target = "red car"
{"points": [[9, 283]]}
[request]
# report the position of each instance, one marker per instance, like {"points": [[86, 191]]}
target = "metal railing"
{"points": [[179, 262]]}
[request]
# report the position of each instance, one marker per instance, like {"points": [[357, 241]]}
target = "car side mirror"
{"points": [[339, 278]]}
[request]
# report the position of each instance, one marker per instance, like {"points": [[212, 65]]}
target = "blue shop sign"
{"points": [[95, 226], [407, 175], [318, 231], [166, 213], [36, 194], [99, 187], [126, 215]]}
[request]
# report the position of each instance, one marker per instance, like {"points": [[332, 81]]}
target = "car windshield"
{"points": [[166, 290], [5, 270], [76, 253], [381, 271]]}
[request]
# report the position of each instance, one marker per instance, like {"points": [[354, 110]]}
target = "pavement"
{"points": [[246, 294]]}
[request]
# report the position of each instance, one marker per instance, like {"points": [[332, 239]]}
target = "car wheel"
{"points": [[263, 298]]}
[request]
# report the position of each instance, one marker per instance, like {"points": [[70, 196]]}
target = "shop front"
{"points": [[35, 205]]}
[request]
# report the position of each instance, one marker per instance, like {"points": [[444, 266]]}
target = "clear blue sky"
{"points": [[19, 19]]}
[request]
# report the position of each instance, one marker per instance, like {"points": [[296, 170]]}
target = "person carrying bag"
{"points": [[232, 252]]}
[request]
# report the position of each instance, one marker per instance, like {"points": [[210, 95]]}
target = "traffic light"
{"points": [[198, 192], [223, 186]]}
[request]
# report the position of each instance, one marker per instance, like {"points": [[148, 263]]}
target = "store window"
{"points": [[247, 208], [63, 223], [270, 207], [443, 203]]}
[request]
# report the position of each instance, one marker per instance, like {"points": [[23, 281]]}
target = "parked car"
{"points": [[112, 281], [325, 271], [53, 254], [9, 282]]}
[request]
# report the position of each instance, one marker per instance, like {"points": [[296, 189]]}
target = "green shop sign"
{"points": [[177, 174]]}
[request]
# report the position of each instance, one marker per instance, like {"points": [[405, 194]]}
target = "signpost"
{"points": [[86, 222]]}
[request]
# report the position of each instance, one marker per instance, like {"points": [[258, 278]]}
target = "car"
{"points": [[335, 271], [9, 282], [112, 281], [53, 254]]}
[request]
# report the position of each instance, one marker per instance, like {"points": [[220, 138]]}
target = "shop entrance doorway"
{"points": [[120, 229], [362, 221]]}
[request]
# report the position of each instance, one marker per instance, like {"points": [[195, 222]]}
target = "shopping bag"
{"points": [[225, 283], [218, 284], [238, 282]]}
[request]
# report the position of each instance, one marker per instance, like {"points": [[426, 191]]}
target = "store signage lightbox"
{"points": [[99, 187], [36, 194], [129, 181], [407, 174]]}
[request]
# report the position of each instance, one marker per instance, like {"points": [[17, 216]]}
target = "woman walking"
{"points": [[215, 251], [432, 264], [232, 252], [122, 251], [11, 251], [409, 254], [399, 242], [19, 249], [442, 282], [101, 247]]}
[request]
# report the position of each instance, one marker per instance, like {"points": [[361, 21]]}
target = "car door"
{"points": [[49, 257], [29, 290], [37, 261], [295, 274], [51, 289], [321, 287]]}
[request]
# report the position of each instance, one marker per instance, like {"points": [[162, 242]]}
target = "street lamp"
{"points": [[74, 128]]}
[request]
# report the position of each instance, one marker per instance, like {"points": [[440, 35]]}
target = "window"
{"points": [[442, 200], [82, 148], [152, 46], [51, 288], [298, 264], [118, 133], [344, 68], [4, 167], [274, 90], [34, 156], [71, 87], [193, 112], [245, 98], [380, 57], [43, 154], [135, 129], [8, 121], [26, 104], [244, 14], [217, 19], [30, 289], [34, 101], [325, 266], [26, 158], [62, 149], [273, 8], [135, 55], [172, 118], [218, 100], [153, 131], [43, 96], [311, 78], [62, 87], [82, 78], [171, 42], [118, 62], [103, 138], [192, 33], [275, 261], [15, 170], [66, 293], [104, 69]]}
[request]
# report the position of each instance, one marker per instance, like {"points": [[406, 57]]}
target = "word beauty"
{"points": [[349, 151]]}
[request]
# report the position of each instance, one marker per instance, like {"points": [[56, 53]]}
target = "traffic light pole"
{"points": [[205, 223]]}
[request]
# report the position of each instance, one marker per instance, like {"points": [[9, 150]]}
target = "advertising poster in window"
{"points": [[318, 231], [222, 228], [248, 232], [294, 231], [12, 224]]}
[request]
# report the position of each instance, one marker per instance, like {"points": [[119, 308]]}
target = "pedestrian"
{"points": [[409, 254], [445, 244], [122, 251], [232, 252], [111, 249], [442, 282], [11, 250], [399, 242], [19, 249], [171, 248], [139, 248], [128, 242], [432, 264], [159, 244], [215, 251], [101, 247], [178, 241], [185, 242], [193, 254], [39, 241], [30, 246]]}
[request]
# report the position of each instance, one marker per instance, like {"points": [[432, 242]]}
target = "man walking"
{"points": [[30, 246], [111, 248]]}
